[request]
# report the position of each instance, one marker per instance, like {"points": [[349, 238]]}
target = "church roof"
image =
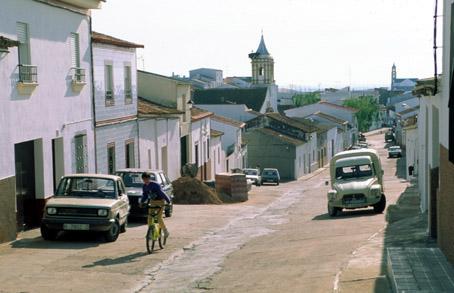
{"points": [[262, 50], [253, 98]]}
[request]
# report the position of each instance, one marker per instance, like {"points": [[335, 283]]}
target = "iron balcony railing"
{"points": [[78, 75], [109, 98], [28, 73], [128, 96]]}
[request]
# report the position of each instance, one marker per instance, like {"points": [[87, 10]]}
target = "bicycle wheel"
{"points": [[161, 240], [149, 240]]}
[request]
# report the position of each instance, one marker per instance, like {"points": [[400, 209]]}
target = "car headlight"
{"points": [[51, 211], [375, 192], [102, 212], [332, 194]]}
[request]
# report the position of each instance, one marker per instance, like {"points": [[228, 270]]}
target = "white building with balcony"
{"points": [[45, 104], [115, 100]]}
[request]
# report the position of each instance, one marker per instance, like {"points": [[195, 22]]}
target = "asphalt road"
{"points": [[280, 240]]}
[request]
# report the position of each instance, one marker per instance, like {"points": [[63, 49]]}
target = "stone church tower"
{"points": [[393, 76], [262, 66]]}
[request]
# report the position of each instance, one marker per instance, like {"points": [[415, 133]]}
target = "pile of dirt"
{"points": [[189, 190]]}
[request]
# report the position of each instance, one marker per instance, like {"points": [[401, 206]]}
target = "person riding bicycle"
{"points": [[155, 196]]}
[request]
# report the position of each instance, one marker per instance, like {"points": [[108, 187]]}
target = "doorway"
{"points": [[57, 161], [164, 160], [184, 150], [24, 156]]}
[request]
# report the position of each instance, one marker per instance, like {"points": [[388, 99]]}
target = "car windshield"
{"points": [[251, 172], [349, 172], [87, 187], [269, 172], [134, 179], [394, 148]]}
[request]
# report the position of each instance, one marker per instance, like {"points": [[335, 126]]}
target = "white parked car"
{"points": [[253, 175], [394, 152]]}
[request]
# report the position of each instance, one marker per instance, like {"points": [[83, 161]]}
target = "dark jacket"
{"points": [[153, 191]]}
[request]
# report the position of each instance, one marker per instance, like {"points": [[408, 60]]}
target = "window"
{"points": [[80, 143], [208, 150], [261, 71], [109, 85], [79, 74], [197, 154], [111, 158], [24, 43], [27, 72], [128, 85], [129, 154]]}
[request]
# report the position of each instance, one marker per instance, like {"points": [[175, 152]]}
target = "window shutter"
{"points": [[75, 50], [23, 38]]}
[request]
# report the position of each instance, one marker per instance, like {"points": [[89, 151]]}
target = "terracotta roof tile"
{"points": [[199, 114], [109, 40], [229, 121], [146, 107], [282, 137]]}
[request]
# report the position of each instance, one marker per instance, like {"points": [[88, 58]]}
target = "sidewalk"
{"points": [[400, 257]]}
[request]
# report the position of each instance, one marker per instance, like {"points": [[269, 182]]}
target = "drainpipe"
{"points": [[93, 94]]}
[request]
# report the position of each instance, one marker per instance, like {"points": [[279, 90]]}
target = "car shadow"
{"points": [[116, 261], [66, 240], [346, 215]]}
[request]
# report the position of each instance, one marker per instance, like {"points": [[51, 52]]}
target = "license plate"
{"points": [[356, 201], [78, 227]]}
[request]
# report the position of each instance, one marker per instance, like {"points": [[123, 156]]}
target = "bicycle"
{"points": [[154, 232]]}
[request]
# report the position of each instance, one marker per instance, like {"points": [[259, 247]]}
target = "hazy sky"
{"points": [[314, 42]]}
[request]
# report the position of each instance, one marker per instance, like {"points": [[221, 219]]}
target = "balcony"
{"points": [[128, 96], [110, 101], [78, 78], [28, 79]]}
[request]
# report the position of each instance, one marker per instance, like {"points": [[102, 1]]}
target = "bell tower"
{"points": [[262, 66], [393, 76]]}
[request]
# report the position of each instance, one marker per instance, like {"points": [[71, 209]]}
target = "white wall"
{"points": [[118, 134], [200, 133], [412, 149], [445, 82], [155, 134], [53, 109], [217, 156], [119, 58]]}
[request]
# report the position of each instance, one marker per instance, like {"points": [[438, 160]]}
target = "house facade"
{"points": [[200, 137], [302, 156], [44, 72], [115, 100], [232, 141], [217, 154], [159, 138], [341, 112], [171, 93]]}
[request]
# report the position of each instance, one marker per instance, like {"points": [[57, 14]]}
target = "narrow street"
{"points": [[280, 240]]}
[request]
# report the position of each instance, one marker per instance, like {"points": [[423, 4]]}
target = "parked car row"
{"points": [[100, 203], [269, 175]]}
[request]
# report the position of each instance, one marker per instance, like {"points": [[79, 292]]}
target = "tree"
{"points": [[300, 100], [368, 110]]}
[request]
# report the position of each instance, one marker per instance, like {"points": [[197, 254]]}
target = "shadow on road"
{"points": [[116, 261], [346, 215], [73, 240]]}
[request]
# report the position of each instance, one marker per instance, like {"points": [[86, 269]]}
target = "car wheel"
{"points": [[113, 232], [124, 226], [277, 183], [380, 206], [332, 211], [48, 234]]}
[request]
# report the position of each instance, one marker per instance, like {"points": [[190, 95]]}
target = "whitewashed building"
{"points": [[45, 104], [232, 141], [115, 100], [217, 154], [200, 137], [159, 138]]}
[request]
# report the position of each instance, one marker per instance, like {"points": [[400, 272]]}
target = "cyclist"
{"points": [[153, 194]]}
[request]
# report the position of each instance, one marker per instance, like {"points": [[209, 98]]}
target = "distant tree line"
{"points": [[368, 110], [304, 99]]}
